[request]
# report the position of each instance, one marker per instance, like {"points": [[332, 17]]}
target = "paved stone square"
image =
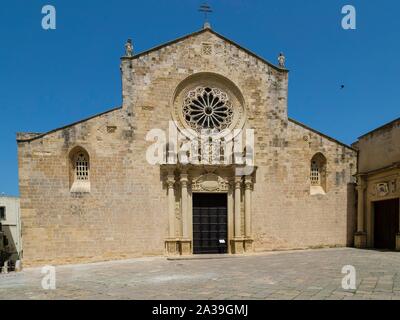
{"points": [[301, 275]]}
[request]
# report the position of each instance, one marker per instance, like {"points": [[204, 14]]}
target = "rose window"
{"points": [[208, 109]]}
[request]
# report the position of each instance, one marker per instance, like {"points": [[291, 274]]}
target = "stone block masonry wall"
{"points": [[286, 215], [379, 148], [123, 215], [126, 212]]}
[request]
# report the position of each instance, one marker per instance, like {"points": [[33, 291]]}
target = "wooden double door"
{"points": [[210, 223], [386, 225]]}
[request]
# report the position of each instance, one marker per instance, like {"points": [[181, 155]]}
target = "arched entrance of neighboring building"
{"points": [[386, 224]]}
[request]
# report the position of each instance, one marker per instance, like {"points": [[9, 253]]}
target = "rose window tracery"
{"points": [[207, 108]]}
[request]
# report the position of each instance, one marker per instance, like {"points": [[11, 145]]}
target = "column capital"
{"points": [[361, 181], [184, 176], [361, 187], [238, 182], [184, 179], [248, 182], [170, 170], [170, 180]]}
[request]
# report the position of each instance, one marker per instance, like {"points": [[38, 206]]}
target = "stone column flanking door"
{"points": [[185, 242], [238, 241], [248, 242], [360, 238], [171, 244]]}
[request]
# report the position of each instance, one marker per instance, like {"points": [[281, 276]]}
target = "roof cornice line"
{"points": [[67, 126], [394, 165], [322, 134], [386, 125], [146, 52]]}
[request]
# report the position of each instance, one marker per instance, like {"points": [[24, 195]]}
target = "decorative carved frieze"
{"points": [[206, 49], [210, 183], [382, 189]]}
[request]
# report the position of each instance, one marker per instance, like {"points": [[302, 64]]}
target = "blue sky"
{"points": [[52, 78]]}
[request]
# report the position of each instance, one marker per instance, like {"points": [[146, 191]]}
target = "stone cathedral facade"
{"points": [[89, 192]]}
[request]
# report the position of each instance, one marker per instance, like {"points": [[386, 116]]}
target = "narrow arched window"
{"points": [[318, 174], [79, 170]]}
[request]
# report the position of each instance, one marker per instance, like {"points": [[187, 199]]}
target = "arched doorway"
{"points": [[386, 224]]}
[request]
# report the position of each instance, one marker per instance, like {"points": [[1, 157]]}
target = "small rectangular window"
{"points": [[2, 213]]}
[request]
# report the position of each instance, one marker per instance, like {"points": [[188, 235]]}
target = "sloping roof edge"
{"points": [[386, 125], [321, 134], [200, 32], [67, 126]]}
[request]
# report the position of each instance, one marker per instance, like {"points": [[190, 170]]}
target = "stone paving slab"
{"points": [[296, 275]]}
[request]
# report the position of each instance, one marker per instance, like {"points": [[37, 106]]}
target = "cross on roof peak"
{"points": [[206, 9]]}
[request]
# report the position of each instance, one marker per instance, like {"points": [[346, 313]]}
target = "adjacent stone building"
{"points": [[117, 185], [10, 229], [378, 188]]}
